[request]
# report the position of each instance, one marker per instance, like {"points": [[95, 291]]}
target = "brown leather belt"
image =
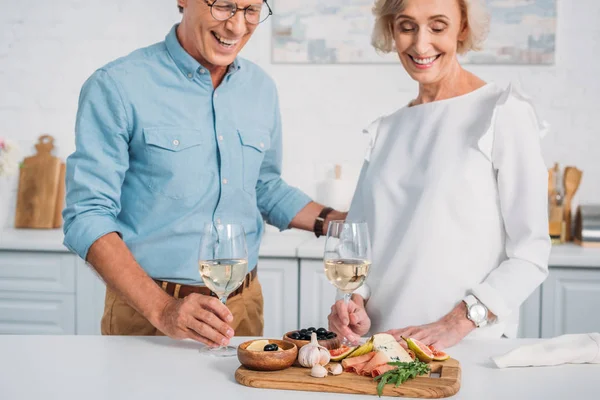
{"points": [[180, 291]]}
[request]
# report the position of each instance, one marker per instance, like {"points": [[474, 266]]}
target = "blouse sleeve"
{"points": [[513, 144]]}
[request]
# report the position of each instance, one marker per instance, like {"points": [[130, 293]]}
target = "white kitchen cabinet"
{"points": [[279, 280], [317, 295], [530, 316], [37, 293], [570, 301], [25, 313]]}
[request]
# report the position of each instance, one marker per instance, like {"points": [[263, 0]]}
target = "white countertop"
{"points": [[287, 244], [145, 368]]}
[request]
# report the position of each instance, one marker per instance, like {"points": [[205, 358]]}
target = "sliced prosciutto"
{"points": [[378, 360], [355, 364], [382, 369]]}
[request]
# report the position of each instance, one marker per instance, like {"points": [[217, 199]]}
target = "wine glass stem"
{"points": [[347, 297], [223, 300]]}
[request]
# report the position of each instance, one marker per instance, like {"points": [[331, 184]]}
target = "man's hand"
{"points": [[198, 317], [446, 332], [350, 321]]}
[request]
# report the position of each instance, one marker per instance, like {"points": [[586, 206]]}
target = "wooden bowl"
{"points": [[329, 344], [268, 360]]}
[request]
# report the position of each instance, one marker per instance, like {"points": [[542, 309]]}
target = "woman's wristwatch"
{"points": [[320, 221], [476, 311]]}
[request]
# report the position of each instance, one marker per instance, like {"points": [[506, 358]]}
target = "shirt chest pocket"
{"points": [[177, 161], [254, 145]]}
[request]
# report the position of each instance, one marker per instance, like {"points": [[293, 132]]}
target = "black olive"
{"points": [[271, 347], [331, 335], [303, 331], [295, 335], [312, 329], [321, 331]]}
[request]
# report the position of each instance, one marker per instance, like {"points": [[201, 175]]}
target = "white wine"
{"points": [[223, 276], [347, 274]]}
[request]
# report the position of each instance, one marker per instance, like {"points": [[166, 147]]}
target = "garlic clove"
{"points": [[335, 369], [312, 354], [325, 356], [318, 371]]}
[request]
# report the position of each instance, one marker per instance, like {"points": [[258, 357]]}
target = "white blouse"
{"points": [[455, 195]]}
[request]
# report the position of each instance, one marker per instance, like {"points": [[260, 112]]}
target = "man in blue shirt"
{"points": [[168, 138]]}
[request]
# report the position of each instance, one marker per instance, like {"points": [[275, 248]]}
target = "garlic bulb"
{"points": [[313, 353], [335, 369], [318, 371]]}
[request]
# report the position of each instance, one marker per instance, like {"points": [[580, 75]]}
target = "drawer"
{"points": [[37, 314], [47, 272]]}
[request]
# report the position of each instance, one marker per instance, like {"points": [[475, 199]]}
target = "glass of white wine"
{"points": [[223, 265], [347, 257]]}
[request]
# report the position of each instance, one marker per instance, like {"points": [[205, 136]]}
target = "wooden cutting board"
{"points": [[41, 188], [297, 378]]}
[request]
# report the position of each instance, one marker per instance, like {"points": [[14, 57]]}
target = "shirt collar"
{"points": [[184, 61]]}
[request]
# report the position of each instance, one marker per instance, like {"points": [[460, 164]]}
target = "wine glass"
{"points": [[223, 265], [347, 257]]}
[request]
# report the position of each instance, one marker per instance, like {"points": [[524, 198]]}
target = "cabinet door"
{"points": [[317, 295], [570, 301], [279, 281], [530, 318], [91, 291], [24, 313]]}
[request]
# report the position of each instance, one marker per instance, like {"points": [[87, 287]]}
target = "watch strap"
{"points": [[320, 221]]}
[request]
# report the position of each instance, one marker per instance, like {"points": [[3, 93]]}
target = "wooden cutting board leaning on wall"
{"points": [[41, 191]]}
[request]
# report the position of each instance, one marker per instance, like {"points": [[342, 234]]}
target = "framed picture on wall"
{"points": [[339, 32]]}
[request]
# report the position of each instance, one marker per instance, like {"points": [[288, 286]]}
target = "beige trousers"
{"points": [[247, 308]]}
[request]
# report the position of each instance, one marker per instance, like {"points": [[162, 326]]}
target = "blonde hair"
{"points": [[473, 13]]}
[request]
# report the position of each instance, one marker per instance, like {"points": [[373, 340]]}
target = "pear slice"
{"points": [[365, 348]]}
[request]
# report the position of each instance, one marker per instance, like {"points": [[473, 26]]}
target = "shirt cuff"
{"points": [[492, 299], [84, 231], [282, 214]]}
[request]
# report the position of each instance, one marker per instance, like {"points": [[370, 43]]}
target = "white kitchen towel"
{"points": [[565, 349]]}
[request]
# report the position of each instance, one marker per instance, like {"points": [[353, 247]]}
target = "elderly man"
{"points": [[168, 138]]}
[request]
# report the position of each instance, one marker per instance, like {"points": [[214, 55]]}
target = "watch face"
{"points": [[477, 313]]}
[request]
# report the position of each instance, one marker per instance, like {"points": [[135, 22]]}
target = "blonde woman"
{"points": [[453, 189]]}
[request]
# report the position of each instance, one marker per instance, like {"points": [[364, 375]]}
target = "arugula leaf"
{"points": [[403, 372]]}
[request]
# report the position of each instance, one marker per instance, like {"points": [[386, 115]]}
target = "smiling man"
{"points": [[169, 138]]}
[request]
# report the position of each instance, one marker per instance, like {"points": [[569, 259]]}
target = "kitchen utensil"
{"points": [[587, 225], [298, 378], [40, 194], [571, 181]]}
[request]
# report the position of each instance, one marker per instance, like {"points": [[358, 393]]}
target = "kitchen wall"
{"points": [[48, 49]]}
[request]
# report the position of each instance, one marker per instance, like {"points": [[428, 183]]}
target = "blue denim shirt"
{"points": [[159, 153]]}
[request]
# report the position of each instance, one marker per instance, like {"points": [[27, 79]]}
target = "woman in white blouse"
{"points": [[453, 187]]}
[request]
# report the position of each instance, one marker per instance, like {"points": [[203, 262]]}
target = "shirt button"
{"points": [[262, 145], [218, 221], [176, 142], [225, 181], [190, 75], [202, 71], [216, 95], [221, 137]]}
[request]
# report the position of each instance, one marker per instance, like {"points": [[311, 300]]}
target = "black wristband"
{"points": [[320, 220]]}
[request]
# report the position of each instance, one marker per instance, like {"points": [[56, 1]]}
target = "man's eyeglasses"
{"points": [[222, 10]]}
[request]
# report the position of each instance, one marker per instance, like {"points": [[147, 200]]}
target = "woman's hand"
{"points": [[446, 332], [350, 321]]}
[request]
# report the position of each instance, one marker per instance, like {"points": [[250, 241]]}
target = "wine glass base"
{"points": [[223, 351]]}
